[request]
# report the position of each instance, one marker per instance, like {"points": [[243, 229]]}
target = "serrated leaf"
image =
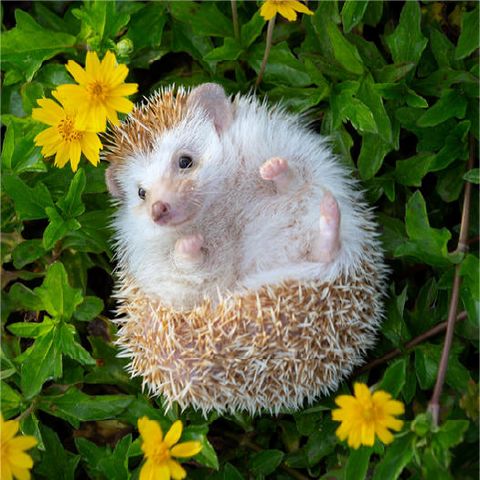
{"points": [[407, 42], [412, 170], [456, 147], [56, 228], [251, 30], [151, 18], [88, 309], [266, 462], [451, 433], [352, 13], [27, 252], [30, 203], [28, 45], [344, 51], [68, 345], [230, 50], [398, 455], [76, 406], [59, 298], [473, 176], [394, 378], [372, 155], [450, 104], [469, 36], [10, 400], [57, 462], [72, 205], [43, 362], [25, 298], [115, 466]]}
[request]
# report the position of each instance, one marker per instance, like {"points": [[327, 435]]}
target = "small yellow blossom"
{"points": [[159, 450], [287, 9], [62, 139], [363, 415], [15, 463], [100, 93]]}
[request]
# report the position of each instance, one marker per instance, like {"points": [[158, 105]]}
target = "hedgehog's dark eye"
{"points": [[142, 193], [185, 162]]}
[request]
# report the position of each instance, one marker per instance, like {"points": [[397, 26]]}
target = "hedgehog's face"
{"points": [[175, 182]]}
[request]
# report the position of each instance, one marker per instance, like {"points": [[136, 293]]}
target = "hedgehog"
{"points": [[250, 272]]}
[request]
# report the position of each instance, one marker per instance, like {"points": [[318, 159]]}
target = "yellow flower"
{"points": [[62, 138], [159, 450], [287, 9], [100, 93], [15, 462], [364, 415]]}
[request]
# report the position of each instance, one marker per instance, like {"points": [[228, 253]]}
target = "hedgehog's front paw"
{"points": [[189, 249], [277, 170], [328, 243]]}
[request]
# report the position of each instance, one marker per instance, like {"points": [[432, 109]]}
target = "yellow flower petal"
{"points": [[50, 112], [186, 449], [150, 429], [77, 72], [120, 104], [268, 10], [176, 470], [20, 473], [299, 7], [118, 75], [174, 434], [24, 442], [92, 65], [9, 429], [6, 473], [287, 11], [124, 89], [61, 158]]}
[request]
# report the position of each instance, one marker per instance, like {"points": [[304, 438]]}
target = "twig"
{"points": [[396, 352], [434, 405], [235, 20], [271, 24]]}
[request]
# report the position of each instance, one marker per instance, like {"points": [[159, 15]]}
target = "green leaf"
{"points": [[28, 45], [57, 228], [456, 147], [469, 36], [231, 473], [352, 13], [27, 252], [59, 298], [450, 104], [43, 362], [426, 244], [205, 18], [319, 444], [407, 42], [373, 13], [31, 92], [412, 170], [72, 206], [30, 203], [398, 455], [451, 433], [88, 309], [372, 155], [344, 51], [68, 345], [115, 467], [151, 18], [10, 401], [31, 426], [394, 378], [266, 462], [357, 463], [26, 298], [230, 50], [251, 30], [207, 456], [442, 48], [76, 406], [469, 269], [473, 176], [57, 462]]}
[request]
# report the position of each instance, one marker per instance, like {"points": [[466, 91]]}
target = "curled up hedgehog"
{"points": [[250, 271]]}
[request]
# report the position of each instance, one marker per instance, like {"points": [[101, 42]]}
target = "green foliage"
{"points": [[395, 87]]}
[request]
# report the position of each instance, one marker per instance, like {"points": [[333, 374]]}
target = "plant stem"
{"points": [[271, 24], [434, 405], [396, 352], [235, 20], [27, 412]]}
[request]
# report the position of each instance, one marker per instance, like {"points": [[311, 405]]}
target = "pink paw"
{"points": [[274, 169], [329, 209], [189, 246], [328, 243]]}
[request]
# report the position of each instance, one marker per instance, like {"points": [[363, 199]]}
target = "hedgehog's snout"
{"points": [[161, 212]]}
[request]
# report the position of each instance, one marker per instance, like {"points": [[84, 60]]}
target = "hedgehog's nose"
{"points": [[160, 211]]}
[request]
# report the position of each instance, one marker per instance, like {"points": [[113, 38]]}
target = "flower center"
{"points": [[368, 413], [157, 452], [67, 131], [98, 90]]}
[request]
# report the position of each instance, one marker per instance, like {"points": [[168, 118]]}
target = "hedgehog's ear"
{"points": [[211, 98], [111, 179]]}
